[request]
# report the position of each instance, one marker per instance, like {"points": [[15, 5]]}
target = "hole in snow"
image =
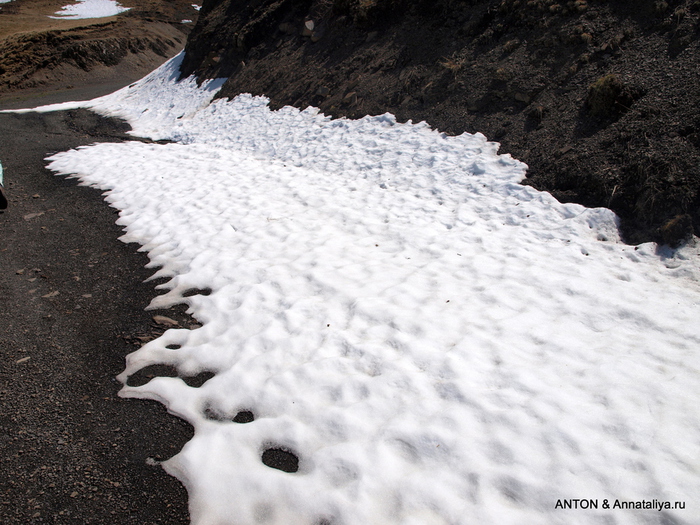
{"points": [[196, 291], [280, 459], [199, 379], [173, 347], [147, 373], [244, 416]]}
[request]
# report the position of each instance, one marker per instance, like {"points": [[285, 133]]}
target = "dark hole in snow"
{"points": [[244, 416], [280, 459], [173, 347], [197, 291], [147, 373], [199, 379]]}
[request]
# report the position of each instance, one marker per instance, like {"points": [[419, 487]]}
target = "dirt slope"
{"points": [[600, 98], [41, 55]]}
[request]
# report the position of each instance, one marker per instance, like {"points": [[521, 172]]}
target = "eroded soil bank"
{"points": [[40, 55]]}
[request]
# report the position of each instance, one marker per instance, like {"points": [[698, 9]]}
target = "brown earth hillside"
{"points": [[40, 56], [600, 98]]}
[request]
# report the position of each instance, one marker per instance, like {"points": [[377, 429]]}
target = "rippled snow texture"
{"points": [[436, 342]]}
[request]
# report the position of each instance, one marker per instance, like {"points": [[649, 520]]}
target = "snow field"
{"points": [[90, 9], [435, 342]]}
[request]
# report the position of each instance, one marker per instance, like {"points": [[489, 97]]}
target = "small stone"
{"points": [[20, 272], [23, 360], [87, 295], [350, 98], [308, 29], [30, 216], [73, 494], [51, 294], [165, 321], [565, 149], [522, 97], [323, 91]]}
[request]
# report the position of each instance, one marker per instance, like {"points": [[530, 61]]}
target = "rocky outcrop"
{"points": [[601, 99]]}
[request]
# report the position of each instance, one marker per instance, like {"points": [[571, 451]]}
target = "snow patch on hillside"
{"points": [[436, 342]]}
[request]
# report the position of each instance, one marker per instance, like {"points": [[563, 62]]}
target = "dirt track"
{"points": [[72, 296], [72, 303]]}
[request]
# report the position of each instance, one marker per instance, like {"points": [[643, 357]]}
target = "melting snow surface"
{"points": [[90, 9], [436, 342]]}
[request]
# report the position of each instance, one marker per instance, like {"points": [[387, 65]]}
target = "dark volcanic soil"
{"points": [[72, 296], [600, 98], [72, 302]]}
